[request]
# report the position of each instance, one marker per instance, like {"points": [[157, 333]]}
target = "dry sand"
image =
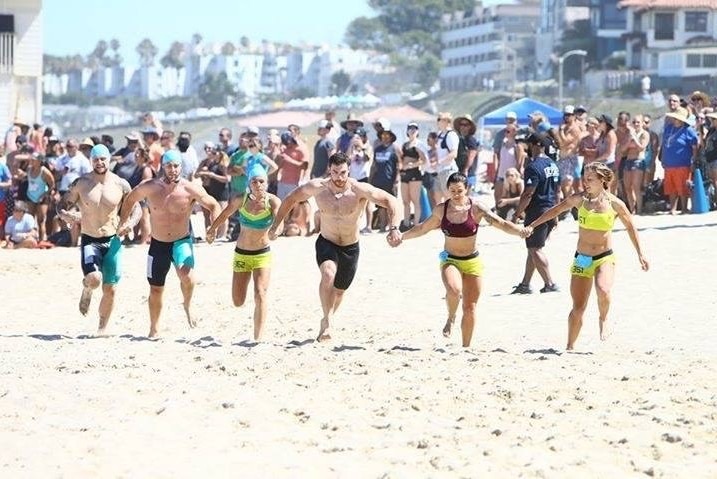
{"points": [[389, 397]]}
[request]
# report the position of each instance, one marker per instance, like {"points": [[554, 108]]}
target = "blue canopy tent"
{"points": [[522, 108]]}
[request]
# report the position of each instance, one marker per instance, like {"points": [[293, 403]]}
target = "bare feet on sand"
{"points": [[324, 334], [85, 299], [102, 333], [606, 329], [190, 320], [152, 333], [447, 328]]}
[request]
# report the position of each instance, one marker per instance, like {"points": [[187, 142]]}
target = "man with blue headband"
{"points": [[171, 199], [98, 195]]}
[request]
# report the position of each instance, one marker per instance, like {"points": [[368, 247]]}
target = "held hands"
{"points": [[394, 238], [526, 231], [211, 235], [70, 217], [123, 230], [272, 233]]}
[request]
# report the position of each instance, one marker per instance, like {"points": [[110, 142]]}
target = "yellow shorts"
{"points": [[585, 266], [247, 261], [470, 264]]}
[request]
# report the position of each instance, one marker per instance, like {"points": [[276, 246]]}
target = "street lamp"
{"points": [[561, 60]]}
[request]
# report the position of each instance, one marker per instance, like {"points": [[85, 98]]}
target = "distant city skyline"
{"points": [[75, 26]]}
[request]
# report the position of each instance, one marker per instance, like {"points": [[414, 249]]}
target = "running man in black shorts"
{"points": [[341, 200]]}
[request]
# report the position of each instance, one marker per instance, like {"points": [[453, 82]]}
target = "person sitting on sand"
{"points": [[461, 266], [594, 259], [21, 228], [513, 187], [252, 255], [171, 199], [341, 200]]}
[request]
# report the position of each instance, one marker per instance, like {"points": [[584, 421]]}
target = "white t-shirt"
{"points": [[14, 228], [190, 162], [72, 168], [451, 144]]}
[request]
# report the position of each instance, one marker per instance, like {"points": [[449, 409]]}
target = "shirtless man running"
{"points": [[569, 135], [98, 195], [341, 201], [170, 200]]}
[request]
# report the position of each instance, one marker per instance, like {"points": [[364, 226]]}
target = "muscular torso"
{"points": [[340, 214], [569, 142], [170, 206], [99, 204]]}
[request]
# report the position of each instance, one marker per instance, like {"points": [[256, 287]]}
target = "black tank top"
{"points": [[410, 151]]}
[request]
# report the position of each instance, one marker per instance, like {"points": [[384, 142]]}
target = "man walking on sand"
{"points": [[170, 200], [98, 195], [341, 201]]}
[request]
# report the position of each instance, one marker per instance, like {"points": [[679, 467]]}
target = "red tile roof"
{"points": [[668, 4]]}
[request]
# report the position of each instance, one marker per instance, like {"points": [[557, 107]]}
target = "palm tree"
{"points": [[174, 57], [147, 52], [116, 57]]}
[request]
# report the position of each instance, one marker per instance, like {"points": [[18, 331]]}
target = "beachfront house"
{"points": [[20, 61], [675, 40]]}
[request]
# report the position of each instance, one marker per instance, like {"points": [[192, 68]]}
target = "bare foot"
{"points": [[324, 334], [190, 320], [85, 299], [102, 333], [447, 328], [606, 329], [152, 333]]}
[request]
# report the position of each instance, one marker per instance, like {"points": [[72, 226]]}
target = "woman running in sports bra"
{"points": [[461, 266], [594, 259], [252, 255]]}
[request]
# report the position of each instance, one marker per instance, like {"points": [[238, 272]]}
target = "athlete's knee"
{"points": [[93, 280], [155, 291], [453, 290], [260, 294], [185, 274], [339, 292], [238, 300], [469, 307], [603, 292]]}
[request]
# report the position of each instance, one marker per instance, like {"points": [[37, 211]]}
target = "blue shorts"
{"points": [[101, 254], [162, 254]]}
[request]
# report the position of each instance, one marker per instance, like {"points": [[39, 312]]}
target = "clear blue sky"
{"points": [[75, 26]]}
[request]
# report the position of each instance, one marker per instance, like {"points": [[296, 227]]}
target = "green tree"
{"points": [[214, 89], [340, 82], [174, 58], [409, 30], [147, 52]]}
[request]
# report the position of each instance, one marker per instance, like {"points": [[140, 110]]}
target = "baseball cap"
{"points": [[580, 109], [325, 124], [413, 124], [252, 130], [287, 138], [511, 115], [99, 151], [87, 142], [569, 110], [171, 156], [132, 136]]}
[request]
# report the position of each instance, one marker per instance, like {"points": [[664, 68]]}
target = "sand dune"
{"points": [[390, 397]]}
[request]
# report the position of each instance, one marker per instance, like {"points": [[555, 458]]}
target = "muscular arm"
{"points": [[480, 211], [302, 193], [383, 199], [205, 200], [233, 205], [429, 224], [131, 199], [69, 200], [565, 205]]}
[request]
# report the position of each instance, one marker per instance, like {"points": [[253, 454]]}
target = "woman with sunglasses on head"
{"points": [[594, 259], [252, 255], [461, 267]]}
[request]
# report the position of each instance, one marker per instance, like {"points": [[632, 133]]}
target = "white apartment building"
{"points": [[672, 38], [494, 44], [20, 61]]}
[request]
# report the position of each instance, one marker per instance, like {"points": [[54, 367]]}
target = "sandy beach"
{"points": [[389, 397]]}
